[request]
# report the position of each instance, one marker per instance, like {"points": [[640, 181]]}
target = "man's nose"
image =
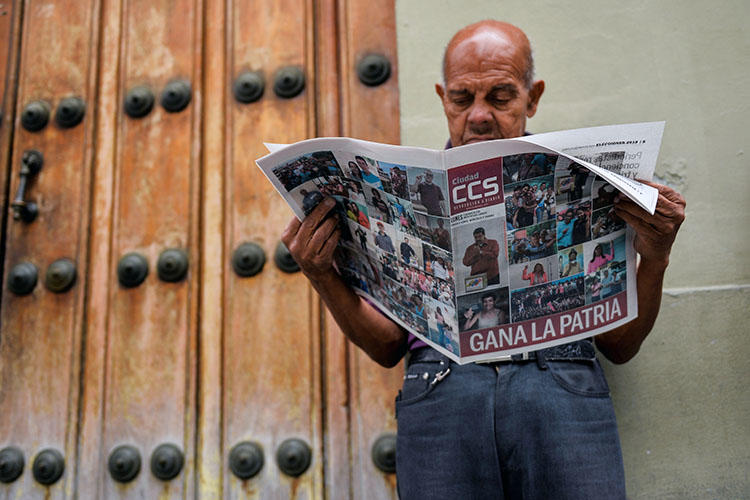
{"points": [[480, 113]]}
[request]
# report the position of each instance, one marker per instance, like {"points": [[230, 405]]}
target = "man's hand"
{"points": [[313, 241], [654, 233]]}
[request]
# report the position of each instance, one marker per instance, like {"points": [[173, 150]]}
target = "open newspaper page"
{"points": [[485, 250]]}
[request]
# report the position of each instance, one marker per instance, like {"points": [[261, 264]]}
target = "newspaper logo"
{"points": [[476, 185]]}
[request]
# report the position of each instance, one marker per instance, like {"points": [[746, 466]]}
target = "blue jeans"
{"points": [[531, 430]]}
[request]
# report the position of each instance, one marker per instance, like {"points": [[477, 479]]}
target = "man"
{"points": [[539, 194], [481, 257], [407, 252], [526, 204], [399, 184], [367, 176], [565, 229], [580, 176], [383, 241], [581, 226], [536, 248], [362, 238], [441, 236], [535, 168], [573, 267], [504, 429], [381, 207], [430, 195]]}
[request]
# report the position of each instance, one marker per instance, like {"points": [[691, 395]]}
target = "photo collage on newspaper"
{"points": [[497, 256]]}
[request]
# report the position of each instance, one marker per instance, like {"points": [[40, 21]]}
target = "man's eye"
{"points": [[499, 101], [462, 101]]}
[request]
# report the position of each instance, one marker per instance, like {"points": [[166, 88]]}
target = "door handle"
{"points": [[31, 164]]}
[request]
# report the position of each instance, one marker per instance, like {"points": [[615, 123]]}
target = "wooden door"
{"points": [[163, 355], [42, 330]]}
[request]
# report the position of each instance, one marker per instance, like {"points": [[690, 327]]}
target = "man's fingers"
{"points": [[666, 191], [326, 253], [321, 235], [642, 220], [641, 226], [667, 217], [290, 231], [313, 220]]}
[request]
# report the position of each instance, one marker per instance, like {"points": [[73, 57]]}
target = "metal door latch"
{"points": [[31, 164]]}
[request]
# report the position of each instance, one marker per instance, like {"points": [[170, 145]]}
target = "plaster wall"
{"points": [[683, 403]]}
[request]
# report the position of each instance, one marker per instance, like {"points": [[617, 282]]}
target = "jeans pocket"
{"points": [[584, 378], [420, 379]]}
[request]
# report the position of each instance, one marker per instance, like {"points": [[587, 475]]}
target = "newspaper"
{"points": [[489, 249]]}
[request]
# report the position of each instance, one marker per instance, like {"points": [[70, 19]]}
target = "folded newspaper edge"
{"points": [[450, 283]]}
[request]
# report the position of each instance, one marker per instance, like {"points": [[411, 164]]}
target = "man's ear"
{"points": [[440, 91], [535, 93]]}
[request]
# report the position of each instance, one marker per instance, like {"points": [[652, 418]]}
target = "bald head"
{"points": [[491, 32], [488, 88]]}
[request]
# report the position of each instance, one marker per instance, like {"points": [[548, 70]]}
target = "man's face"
{"points": [[363, 165], [428, 178], [568, 217], [479, 238], [485, 96]]}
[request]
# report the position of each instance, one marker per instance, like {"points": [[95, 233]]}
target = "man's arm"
{"points": [[494, 248], [471, 255], [654, 235], [312, 243]]}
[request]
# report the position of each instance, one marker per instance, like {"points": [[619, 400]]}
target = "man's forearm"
{"points": [[654, 235], [470, 257], [382, 339], [494, 249], [622, 344]]}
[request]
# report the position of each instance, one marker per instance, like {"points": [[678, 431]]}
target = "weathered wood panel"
{"points": [[10, 39], [40, 343], [369, 113], [100, 277], [150, 348], [335, 347], [271, 327], [183, 180], [211, 459]]}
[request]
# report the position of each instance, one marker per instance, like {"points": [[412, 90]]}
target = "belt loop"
{"points": [[541, 362]]}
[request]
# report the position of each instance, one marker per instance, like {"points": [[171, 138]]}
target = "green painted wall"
{"points": [[683, 403]]}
